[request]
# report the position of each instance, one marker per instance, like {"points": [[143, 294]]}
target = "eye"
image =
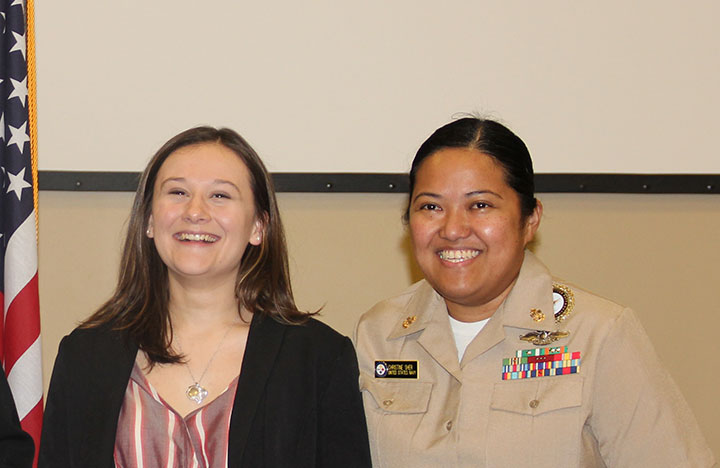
{"points": [[429, 207], [220, 195], [481, 205], [177, 191]]}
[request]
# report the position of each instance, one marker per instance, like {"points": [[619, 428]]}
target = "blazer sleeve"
{"points": [[342, 429], [54, 446], [16, 446]]}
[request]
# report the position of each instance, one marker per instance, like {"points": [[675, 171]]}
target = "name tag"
{"points": [[396, 369]]}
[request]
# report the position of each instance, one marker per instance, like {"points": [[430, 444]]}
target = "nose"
{"points": [[196, 210], [456, 225]]}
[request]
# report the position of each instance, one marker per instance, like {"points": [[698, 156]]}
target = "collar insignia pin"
{"points": [[409, 321], [537, 315]]}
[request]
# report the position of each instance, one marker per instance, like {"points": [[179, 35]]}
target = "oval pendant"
{"points": [[196, 393]]}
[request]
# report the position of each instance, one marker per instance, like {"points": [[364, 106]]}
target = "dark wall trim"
{"points": [[388, 183], [627, 183], [88, 181]]}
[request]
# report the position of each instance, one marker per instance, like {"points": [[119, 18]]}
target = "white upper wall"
{"points": [[336, 86]]}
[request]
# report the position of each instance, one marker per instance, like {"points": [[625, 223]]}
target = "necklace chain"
{"points": [[197, 392]]}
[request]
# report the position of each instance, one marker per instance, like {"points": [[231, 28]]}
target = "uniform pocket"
{"points": [[536, 420], [537, 396], [394, 409], [408, 397]]}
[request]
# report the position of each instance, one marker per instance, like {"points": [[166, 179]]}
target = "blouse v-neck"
{"points": [[151, 433]]}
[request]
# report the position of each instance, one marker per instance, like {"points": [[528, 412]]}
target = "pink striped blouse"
{"points": [[151, 434]]}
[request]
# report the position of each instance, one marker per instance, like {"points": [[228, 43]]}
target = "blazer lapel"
{"points": [[263, 346], [109, 373]]}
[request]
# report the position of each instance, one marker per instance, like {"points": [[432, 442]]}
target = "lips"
{"points": [[196, 237], [459, 255]]}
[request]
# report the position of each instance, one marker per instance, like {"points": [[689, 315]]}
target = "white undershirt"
{"points": [[464, 333]]}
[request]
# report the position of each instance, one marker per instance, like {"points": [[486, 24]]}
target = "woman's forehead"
{"points": [[452, 166]]}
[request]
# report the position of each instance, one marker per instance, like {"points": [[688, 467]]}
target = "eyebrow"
{"points": [[469, 194], [216, 181]]}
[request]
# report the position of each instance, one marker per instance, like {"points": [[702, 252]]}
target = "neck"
{"points": [[477, 312], [203, 306]]}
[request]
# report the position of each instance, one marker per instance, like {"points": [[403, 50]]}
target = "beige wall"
{"points": [[656, 253], [611, 86]]}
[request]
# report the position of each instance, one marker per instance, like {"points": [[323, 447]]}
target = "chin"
{"points": [[191, 271]]}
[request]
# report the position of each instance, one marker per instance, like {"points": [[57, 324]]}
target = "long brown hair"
{"points": [[141, 298]]}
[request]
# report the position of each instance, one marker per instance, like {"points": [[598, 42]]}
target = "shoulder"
{"points": [[312, 335], [597, 325], [89, 344], [386, 313], [581, 304], [315, 329]]}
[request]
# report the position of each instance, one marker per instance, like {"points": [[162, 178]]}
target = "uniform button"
{"points": [[448, 425], [534, 403], [387, 402]]}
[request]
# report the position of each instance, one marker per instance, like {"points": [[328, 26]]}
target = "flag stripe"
{"points": [[25, 381], [21, 331], [32, 422], [20, 259]]}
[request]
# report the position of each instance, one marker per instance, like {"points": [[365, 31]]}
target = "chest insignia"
{"points": [[396, 369], [541, 362], [563, 302], [544, 337]]}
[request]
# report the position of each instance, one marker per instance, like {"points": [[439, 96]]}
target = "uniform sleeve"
{"points": [[16, 446], [342, 430], [639, 416], [54, 441]]}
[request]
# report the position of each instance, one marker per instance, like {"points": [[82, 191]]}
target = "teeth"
{"points": [[457, 256], [186, 236]]}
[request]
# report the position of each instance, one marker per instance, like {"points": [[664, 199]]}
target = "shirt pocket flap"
{"points": [[397, 397], [537, 396]]}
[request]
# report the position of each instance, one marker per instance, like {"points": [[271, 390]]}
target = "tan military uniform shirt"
{"points": [[619, 409]]}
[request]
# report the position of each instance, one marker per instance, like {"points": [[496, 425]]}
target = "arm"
{"points": [[342, 430], [16, 446], [54, 441], [639, 416]]}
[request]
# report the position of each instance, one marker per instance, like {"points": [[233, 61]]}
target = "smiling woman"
{"points": [[490, 360], [201, 358]]}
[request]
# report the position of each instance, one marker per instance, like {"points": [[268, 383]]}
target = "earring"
{"points": [[147, 232]]}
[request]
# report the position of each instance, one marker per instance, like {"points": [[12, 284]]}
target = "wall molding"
{"points": [[397, 182]]}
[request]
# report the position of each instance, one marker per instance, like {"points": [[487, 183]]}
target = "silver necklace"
{"points": [[196, 392]]}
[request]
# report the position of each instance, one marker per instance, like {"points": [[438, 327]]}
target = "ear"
{"points": [[258, 232], [532, 223], [150, 231]]}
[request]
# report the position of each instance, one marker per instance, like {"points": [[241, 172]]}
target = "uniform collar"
{"points": [[425, 306], [426, 316], [532, 290]]}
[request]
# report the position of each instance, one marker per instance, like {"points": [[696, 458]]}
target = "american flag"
{"points": [[20, 327]]}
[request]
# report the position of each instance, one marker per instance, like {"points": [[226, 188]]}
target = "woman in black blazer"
{"points": [[203, 307]]}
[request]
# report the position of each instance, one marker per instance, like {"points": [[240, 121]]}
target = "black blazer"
{"points": [[16, 446], [297, 404]]}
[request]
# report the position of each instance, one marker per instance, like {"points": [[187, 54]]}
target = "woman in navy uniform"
{"points": [[490, 360]]}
